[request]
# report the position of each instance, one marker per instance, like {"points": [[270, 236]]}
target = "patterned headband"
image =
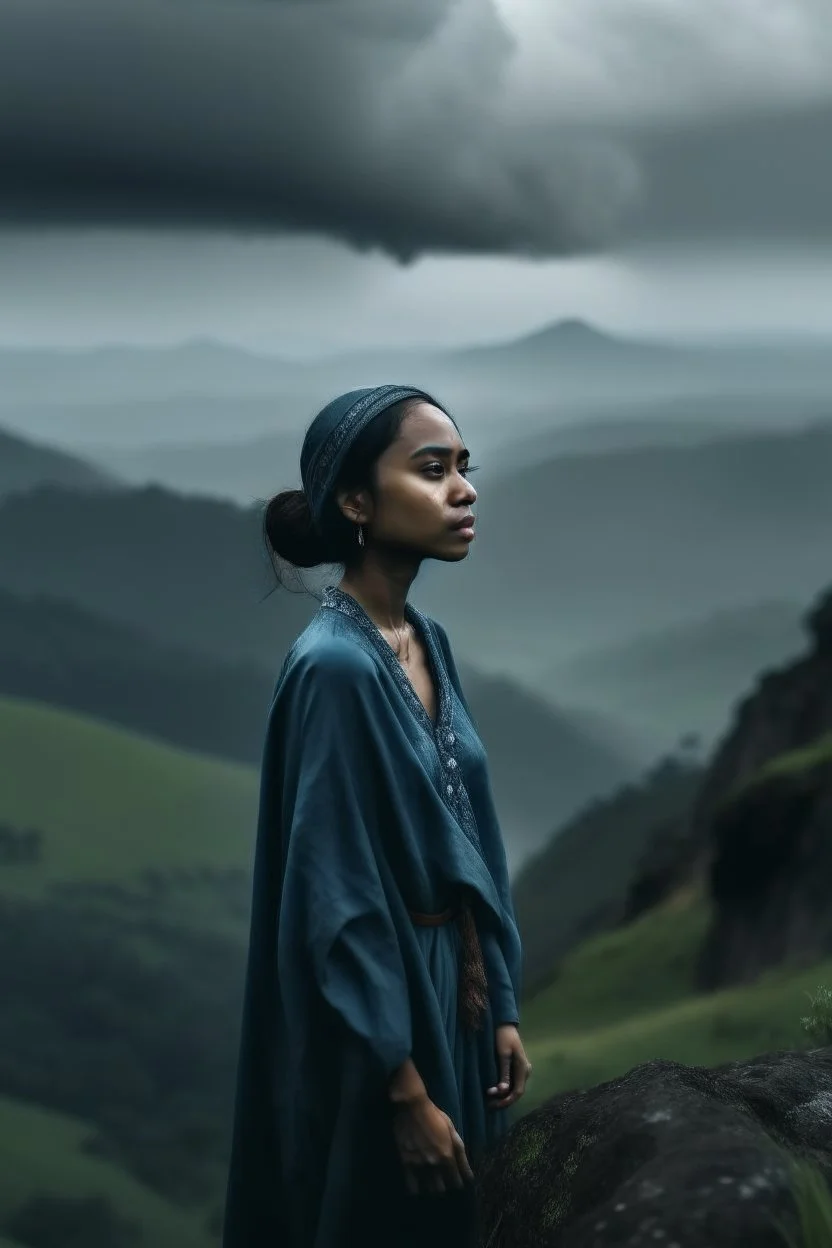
{"points": [[336, 427]]}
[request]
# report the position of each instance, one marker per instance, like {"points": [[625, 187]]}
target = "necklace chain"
{"points": [[398, 633]]}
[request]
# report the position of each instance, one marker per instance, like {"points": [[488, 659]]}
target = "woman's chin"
{"points": [[452, 556]]}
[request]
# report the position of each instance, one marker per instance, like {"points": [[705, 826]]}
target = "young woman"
{"points": [[379, 1042]]}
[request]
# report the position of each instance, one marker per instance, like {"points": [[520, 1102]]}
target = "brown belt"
{"points": [[473, 981], [434, 920]]}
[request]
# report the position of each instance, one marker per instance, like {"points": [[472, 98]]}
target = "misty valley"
{"points": [[644, 634]]}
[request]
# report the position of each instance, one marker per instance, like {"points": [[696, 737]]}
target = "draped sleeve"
{"points": [[501, 949], [500, 988], [335, 915]]}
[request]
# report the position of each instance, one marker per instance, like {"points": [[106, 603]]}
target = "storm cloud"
{"points": [[424, 127]]}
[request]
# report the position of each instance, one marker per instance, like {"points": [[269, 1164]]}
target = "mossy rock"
{"points": [[668, 1154]]}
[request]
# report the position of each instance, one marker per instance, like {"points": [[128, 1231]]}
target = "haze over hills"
{"points": [[190, 572], [574, 552], [545, 763], [246, 469], [25, 464], [684, 679], [86, 397], [241, 471], [583, 551]]}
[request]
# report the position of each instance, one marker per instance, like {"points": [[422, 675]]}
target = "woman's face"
{"points": [[423, 497]]}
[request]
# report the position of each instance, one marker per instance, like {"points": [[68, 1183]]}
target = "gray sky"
{"points": [[260, 171]]}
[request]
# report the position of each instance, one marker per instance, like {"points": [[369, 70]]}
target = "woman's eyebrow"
{"points": [[440, 450]]}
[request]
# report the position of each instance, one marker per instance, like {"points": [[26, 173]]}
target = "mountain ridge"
{"points": [[26, 463]]}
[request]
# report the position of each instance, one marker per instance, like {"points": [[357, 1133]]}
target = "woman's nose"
{"points": [[467, 493]]}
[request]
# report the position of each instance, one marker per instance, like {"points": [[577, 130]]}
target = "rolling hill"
{"points": [[45, 1153], [686, 678], [577, 883], [112, 805], [185, 444], [582, 552], [241, 471], [189, 572], [575, 553], [25, 465], [54, 652], [544, 762], [109, 395], [128, 928]]}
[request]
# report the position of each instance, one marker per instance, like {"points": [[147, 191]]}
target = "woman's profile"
{"points": [[379, 1047]]}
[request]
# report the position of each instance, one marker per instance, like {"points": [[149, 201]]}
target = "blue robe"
{"points": [[368, 810]]}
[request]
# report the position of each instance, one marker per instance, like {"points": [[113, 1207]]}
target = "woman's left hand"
{"points": [[515, 1068]]}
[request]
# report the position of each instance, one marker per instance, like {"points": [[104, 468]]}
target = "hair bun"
{"points": [[290, 532]]}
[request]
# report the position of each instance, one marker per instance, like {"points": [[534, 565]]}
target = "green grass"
{"points": [[627, 997], [789, 763], [111, 803], [813, 1202], [41, 1152], [632, 969]]}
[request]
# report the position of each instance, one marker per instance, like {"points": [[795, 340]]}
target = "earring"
{"points": [[360, 535]]}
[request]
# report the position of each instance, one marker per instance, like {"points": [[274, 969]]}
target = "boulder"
{"points": [[669, 1156]]}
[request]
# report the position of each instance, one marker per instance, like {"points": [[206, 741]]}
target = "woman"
{"points": [[379, 1043]]}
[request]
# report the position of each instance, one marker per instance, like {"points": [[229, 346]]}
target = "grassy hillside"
{"points": [[545, 763], [112, 804], [627, 996], [121, 1006], [578, 883], [43, 1152], [55, 652]]}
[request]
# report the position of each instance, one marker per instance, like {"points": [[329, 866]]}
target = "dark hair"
{"points": [[289, 531]]}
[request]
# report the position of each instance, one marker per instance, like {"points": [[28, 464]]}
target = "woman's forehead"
{"points": [[426, 423]]}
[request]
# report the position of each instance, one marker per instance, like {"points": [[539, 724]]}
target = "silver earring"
{"points": [[360, 535]]}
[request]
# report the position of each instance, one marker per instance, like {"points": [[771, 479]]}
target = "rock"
{"points": [[669, 1156], [789, 709], [771, 874], [819, 623], [664, 866]]}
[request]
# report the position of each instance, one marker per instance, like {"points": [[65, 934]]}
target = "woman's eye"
{"points": [[436, 468]]}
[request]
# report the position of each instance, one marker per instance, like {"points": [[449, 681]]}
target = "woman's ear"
{"points": [[353, 504]]}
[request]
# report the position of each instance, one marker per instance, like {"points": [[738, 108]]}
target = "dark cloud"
{"points": [[355, 121], [379, 123]]}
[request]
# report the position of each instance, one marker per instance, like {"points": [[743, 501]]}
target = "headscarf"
{"points": [[334, 430]]}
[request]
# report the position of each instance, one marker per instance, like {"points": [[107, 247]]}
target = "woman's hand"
{"points": [[430, 1147], [515, 1068]]}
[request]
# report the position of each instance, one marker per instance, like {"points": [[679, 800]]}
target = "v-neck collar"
{"points": [[340, 600]]}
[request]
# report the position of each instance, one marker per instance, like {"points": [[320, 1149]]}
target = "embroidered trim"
{"points": [[454, 793]]}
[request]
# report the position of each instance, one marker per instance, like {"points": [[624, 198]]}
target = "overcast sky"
{"points": [[306, 175]]}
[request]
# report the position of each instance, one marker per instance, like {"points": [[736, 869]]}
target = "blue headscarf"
{"points": [[336, 427]]}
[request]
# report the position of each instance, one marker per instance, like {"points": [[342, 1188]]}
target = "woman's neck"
{"points": [[380, 591]]}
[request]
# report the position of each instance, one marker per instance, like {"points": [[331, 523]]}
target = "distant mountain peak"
{"points": [[571, 332]]}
